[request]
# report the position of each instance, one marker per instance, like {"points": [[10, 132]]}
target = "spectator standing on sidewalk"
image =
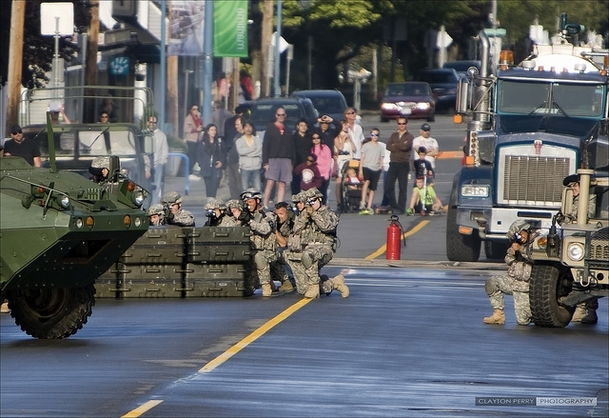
{"points": [[19, 146], [370, 168], [211, 157], [355, 130], [327, 130], [302, 149], [430, 144], [324, 163], [193, 129], [277, 156], [233, 129], [161, 152], [400, 146], [249, 147]]}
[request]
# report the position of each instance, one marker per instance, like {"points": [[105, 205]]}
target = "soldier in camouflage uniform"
{"points": [[312, 245], [100, 168], [280, 269], [264, 243], [516, 281], [216, 212], [174, 213], [156, 215]]}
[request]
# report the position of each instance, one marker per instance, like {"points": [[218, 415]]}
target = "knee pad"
{"points": [[260, 261], [490, 286], [307, 260]]}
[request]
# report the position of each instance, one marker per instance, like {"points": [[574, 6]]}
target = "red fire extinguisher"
{"points": [[394, 236]]}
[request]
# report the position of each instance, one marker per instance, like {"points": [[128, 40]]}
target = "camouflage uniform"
{"points": [[312, 246], [182, 217], [264, 243], [516, 281]]}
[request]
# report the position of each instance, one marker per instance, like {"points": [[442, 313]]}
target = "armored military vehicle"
{"points": [[572, 258], [58, 232]]}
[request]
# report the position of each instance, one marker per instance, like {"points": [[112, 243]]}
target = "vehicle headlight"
{"points": [[138, 198], [64, 201], [475, 190], [79, 223], [388, 106], [137, 222], [423, 105], [575, 251]]}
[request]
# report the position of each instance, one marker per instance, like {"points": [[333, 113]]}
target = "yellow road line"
{"points": [[413, 231], [141, 409], [253, 336]]}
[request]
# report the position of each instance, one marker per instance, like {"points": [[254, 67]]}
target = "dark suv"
{"points": [[443, 83], [263, 112], [327, 102]]}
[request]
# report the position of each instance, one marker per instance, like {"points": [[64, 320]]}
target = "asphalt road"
{"points": [[407, 342]]}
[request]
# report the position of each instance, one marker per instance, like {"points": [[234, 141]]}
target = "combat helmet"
{"points": [[516, 227], [215, 204], [251, 193], [298, 197], [171, 198], [314, 193], [233, 203], [155, 210]]}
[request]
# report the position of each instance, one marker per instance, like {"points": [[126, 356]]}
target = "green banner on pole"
{"points": [[230, 28]]}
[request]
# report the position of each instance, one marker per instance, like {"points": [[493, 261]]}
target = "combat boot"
{"points": [[286, 287], [312, 292], [591, 318], [267, 290], [497, 318], [579, 314], [338, 283], [4, 308]]}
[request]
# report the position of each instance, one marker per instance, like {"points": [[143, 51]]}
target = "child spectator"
{"points": [[351, 179], [423, 167], [310, 176], [433, 204], [370, 167]]}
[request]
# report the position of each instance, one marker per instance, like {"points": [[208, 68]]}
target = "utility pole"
{"points": [[267, 31], [91, 61], [15, 60]]}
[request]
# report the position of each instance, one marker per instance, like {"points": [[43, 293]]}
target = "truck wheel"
{"points": [[460, 247], [495, 250], [547, 284], [51, 313]]}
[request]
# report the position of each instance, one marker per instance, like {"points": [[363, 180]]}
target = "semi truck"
{"points": [[529, 126]]}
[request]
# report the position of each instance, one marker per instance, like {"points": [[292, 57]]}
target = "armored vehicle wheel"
{"points": [[547, 284], [52, 313], [495, 250], [460, 247]]}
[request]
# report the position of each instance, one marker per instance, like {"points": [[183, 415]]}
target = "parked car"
{"points": [[443, 83], [263, 112], [461, 66], [412, 99], [329, 102]]}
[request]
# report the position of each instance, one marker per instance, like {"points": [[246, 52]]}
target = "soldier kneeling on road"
{"points": [[156, 215], [516, 281], [264, 244], [174, 213], [312, 246]]}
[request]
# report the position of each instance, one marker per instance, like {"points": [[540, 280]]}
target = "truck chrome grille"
{"points": [[533, 180]]}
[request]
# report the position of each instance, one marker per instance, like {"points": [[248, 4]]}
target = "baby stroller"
{"points": [[351, 187]]}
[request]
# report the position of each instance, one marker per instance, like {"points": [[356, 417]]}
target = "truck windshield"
{"points": [[561, 99]]}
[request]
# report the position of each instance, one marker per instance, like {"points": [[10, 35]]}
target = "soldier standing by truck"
{"points": [[516, 281], [584, 312]]}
